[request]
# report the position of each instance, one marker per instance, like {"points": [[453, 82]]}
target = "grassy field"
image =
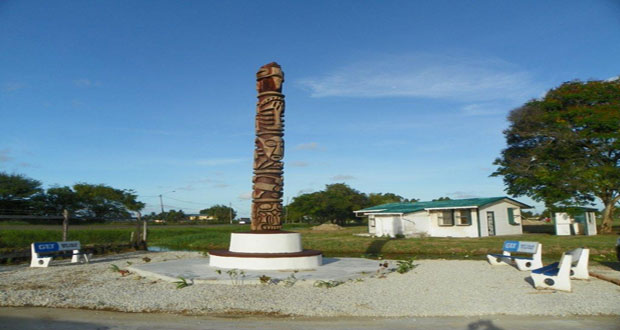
{"points": [[335, 243]]}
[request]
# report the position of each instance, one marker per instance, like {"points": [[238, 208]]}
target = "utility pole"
{"points": [[161, 203], [161, 200]]}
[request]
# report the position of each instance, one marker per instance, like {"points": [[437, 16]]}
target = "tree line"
{"points": [[336, 204], [20, 195], [220, 214]]}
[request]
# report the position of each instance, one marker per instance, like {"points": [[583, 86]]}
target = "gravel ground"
{"points": [[433, 288]]}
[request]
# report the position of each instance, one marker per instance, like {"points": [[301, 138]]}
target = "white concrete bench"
{"points": [[579, 264], [44, 252], [555, 276], [522, 262]]}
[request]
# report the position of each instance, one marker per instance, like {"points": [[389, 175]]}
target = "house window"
{"points": [[463, 217], [445, 218], [512, 216]]}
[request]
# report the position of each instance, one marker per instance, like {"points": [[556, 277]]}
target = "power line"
{"points": [[179, 200], [148, 196]]}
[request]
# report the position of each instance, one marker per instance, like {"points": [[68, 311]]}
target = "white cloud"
{"points": [[83, 82], [342, 177], [298, 164], [305, 191], [12, 86], [612, 79], [245, 196], [206, 180], [390, 143], [188, 187], [77, 103], [307, 146], [150, 131], [219, 161], [487, 108], [456, 77], [462, 194], [4, 155]]}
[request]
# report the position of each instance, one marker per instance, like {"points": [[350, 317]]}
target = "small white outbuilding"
{"points": [[472, 217], [575, 221]]}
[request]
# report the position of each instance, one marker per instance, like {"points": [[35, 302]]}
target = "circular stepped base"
{"points": [[265, 242], [276, 250], [306, 259]]}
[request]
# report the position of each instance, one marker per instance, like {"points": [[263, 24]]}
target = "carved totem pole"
{"points": [[268, 166]]}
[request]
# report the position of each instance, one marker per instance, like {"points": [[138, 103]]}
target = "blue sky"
{"points": [[408, 97]]}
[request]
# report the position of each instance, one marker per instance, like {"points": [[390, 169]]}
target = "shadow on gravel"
{"points": [[483, 325], [613, 265], [529, 280], [329, 260], [28, 323], [115, 257]]}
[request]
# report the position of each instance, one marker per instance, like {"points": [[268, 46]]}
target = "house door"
{"points": [[491, 223], [388, 227]]}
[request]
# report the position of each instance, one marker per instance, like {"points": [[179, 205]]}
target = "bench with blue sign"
{"points": [[44, 252], [530, 258]]}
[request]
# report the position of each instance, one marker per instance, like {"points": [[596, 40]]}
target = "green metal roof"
{"points": [[420, 206]]}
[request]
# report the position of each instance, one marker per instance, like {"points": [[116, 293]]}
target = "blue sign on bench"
{"points": [[44, 247], [519, 246]]}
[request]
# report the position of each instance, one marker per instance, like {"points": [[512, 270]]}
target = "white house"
{"points": [[200, 217], [472, 217]]}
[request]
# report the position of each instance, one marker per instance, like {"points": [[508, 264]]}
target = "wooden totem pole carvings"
{"points": [[269, 151]]}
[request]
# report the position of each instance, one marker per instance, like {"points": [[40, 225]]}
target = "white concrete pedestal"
{"points": [[269, 250]]}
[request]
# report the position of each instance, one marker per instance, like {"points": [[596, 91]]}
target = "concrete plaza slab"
{"points": [[197, 270]]}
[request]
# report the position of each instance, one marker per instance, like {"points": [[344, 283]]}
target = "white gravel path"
{"points": [[434, 288]]}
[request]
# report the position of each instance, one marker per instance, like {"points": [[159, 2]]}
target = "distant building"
{"points": [[200, 217], [472, 217]]}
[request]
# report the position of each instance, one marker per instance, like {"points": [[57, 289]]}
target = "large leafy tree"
{"points": [[58, 199], [173, 215], [61, 200], [222, 213], [102, 201], [335, 204], [384, 198], [565, 148], [17, 193], [305, 208]]}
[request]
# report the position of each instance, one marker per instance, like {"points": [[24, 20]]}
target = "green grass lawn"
{"points": [[343, 243], [336, 243]]}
